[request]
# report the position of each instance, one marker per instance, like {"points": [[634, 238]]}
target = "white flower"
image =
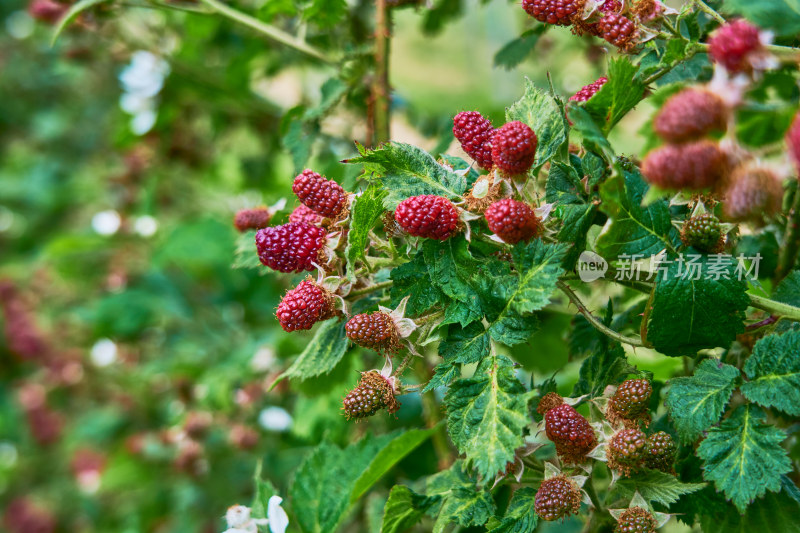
{"points": [[106, 222], [145, 225], [145, 74], [277, 519], [143, 122], [104, 352], [240, 521], [275, 419], [133, 103]]}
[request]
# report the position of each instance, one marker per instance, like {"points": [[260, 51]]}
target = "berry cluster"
{"points": [[511, 149], [429, 216], [374, 330], [304, 306], [734, 45], [570, 432], [255, 218], [630, 402], [558, 497], [512, 221], [703, 233], [636, 520], [324, 197], [373, 393]]}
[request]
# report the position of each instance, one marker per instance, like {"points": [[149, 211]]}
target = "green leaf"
{"points": [[412, 279], [71, 14], [545, 116], [330, 93], [780, 16], [773, 371], [465, 345], [326, 13], [406, 171], [487, 415], [246, 255], [322, 354], [463, 503], [264, 491], [404, 508], [606, 366], [512, 329], [634, 229], [520, 516], [576, 221], [564, 185], [761, 124], [443, 375], [297, 136], [593, 137], [539, 267], [744, 457], [692, 310], [697, 402], [772, 512], [515, 51], [367, 210], [617, 96], [655, 486]]}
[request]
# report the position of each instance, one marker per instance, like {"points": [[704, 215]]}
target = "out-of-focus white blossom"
{"points": [[275, 419], [104, 352], [141, 82], [277, 519], [146, 226], [106, 222]]}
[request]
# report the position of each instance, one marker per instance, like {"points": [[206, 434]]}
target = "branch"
{"points": [[776, 308], [791, 241], [380, 87], [708, 10], [371, 288]]}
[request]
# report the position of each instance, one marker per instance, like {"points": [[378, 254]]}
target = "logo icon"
{"points": [[591, 266]]}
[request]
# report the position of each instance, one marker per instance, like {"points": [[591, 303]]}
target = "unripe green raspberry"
{"points": [[703, 233], [636, 520], [660, 452]]}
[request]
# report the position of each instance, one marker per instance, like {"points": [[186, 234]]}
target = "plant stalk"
{"points": [[791, 241], [381, 113], [370, 289]]}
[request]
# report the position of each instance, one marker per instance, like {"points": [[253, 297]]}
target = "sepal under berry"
{"points": [[373, 393], [638, 517]]}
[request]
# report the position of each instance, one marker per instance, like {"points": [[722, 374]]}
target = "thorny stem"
{"points": [[776, 308], [371, 288], [708, 10], [590, 490], [276, 34], [380, 87], [402, 366], [791, 242], [757, 326]]}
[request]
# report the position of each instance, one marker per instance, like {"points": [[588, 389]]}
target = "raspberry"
{"points": [[570, 432], [325, 197], [22, 515], [474, 132], [292, 247], [587, 91], [693, 166], [549, 401], [514, 147], [560, 12], [302, 213], [626, 451], [660, 453], [373, 393], [610, 6], [732, 43], [512, 221], [753, 193], [243, 437], [429, 216], [255, 218], [703, 233], [793, 141], [47, 10], [197, 423], [304, 306], [557, 497], [631, 398], [373, 330], [617, 29], [691, 114], [636, 520]]}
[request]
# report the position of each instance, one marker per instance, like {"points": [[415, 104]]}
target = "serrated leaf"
{"points": [[744, 457], [326, 13], [539, 267], [487, 414], [655, 486], [564, 185], [322, 354], [576, 220], [330, 93], [617, 96], [297, 136], [264, 491], [593, 137], [246, 255], [773, 371], [780, 16], [516, 50], [692, 310], [413, 281], [367, 210], [443, 375], [404, 508], [463, 502], [520, 516], [406, 171], [465, 345], [772, 512], [545, 117], [512, 329], [697, 402]]}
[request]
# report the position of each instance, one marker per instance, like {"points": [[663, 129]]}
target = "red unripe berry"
{"points": [[292, 247], [303, 213], [243, 437], [693, 166], [689, 115], [255, 218], [793, 141], [587, 91], [631, 398], [636, 520], [558, 497], [325, 197], [512, 221], [373, 393], [732, 43], [617, 29], [570, 432], [560, 12], [373, 330], [514, 148], [304, 306], [610, 6], [22, 515], [434, 217], [752, 193], [474, 132], [47, 10], [660, 452]]}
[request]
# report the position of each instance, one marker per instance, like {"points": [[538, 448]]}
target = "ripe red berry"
{"points": [[732, 43], [570, 432], [47, 10], [558, 497], [690, 114], [373, 330], [626, 451], [304, 306], [610, 6], [430, 216], [255, 218], [617, 29], [292, 247], [692, 166], [474, 132], [512, 221], [303, 213], [549, 401], [560, 12], [660, 453], [703, 233], [587, 91], [631, 398], [636, 520], [752, 193], [514, 147], [22, 515], [373, 393], [325, 197], [793, 141]]}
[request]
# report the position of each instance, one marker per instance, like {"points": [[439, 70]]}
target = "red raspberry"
{"points": [[793, 141], [660, 452], [558, 497], [617, 29], [632, 398], [549, 401], [587, 91], [626, 451], [292, 247], [512, 221], [197, 423], [325, 197], [693, 166], [373, 330], [302, 213], [474, 132], [610, 6], [514, 147], [691, 114], [304, 306], [636, 520], [429, 216], [373, 393], [22, 515], [560, 12], [255, 218], [47, 10], [570, 432], [753, 193], [732, 43], [243, 437]]}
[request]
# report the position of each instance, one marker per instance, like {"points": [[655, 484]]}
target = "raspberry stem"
{"points": [[708, 10], [370, 289]]}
